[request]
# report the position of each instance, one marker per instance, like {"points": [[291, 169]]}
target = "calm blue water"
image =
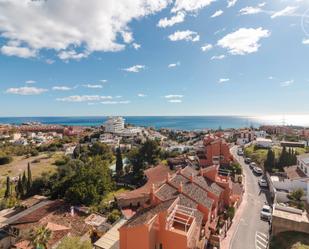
{"points": [[184, 123]]}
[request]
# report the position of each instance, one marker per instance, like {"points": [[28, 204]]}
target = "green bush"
{"points": [[113, 216], [5, 160]]}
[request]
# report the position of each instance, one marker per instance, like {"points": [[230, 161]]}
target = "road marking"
{"points": [[261, 240]]}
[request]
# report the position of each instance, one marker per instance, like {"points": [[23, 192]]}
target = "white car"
{"points": [[263, 183], [266, 213], [258, 171], [252, 165]]}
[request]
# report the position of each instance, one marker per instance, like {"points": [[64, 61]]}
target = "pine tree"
{"points": [[24, 183], [29, 179], [270, 161], [19, 187], [8, 187], [284, 158], [119, 163]]}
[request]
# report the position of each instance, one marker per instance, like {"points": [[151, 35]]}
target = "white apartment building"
{"points": [[114, 125], [303, 163]]}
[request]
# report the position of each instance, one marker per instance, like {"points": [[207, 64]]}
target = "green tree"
{"points": [[74, 243], [40, 237], [29, 178], [270, 162], [284, 158], [24, 183], [150, 152], [102, 150], [296, 198], [136, 160], [19, 187], [8, 187], [119, 163], [89, 183]]}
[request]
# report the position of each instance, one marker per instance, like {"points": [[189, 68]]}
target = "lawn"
{"points": [[39, 164], [260, 155], [290, 240]]}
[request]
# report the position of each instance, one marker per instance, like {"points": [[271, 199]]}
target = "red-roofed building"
{"points": [[182, 212], [215, 150]]}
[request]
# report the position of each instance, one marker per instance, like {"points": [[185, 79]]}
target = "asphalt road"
{"points": [[251, 232]]}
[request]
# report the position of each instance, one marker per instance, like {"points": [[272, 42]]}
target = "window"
{"points": [[161, 246]]}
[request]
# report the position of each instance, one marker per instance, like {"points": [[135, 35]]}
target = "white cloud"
{"points": [[61, 88], [136, 46], [186, 35], [57, 25], [142, 95], [218, 57], [127, 37], [103, 81], [22, 52], [115, 102], [244, 40], [49, 61], [287, 83], [222, 80], [173, 65], [72, 55], [206, 47], [250, 10], [190, 5], [92, 86], [83, 98], [26, 90], [178, 18], [173, 96], [217, 13], [175, 100], [287, 11], [30, 82], [135, 68], [271, 77], [305, 41], [231, 3]]}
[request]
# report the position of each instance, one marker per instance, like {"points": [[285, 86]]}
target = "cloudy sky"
{"points": [[154, 57]]}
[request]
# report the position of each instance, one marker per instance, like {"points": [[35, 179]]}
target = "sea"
{"points": [[172, 122]]}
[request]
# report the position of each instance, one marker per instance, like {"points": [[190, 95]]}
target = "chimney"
{"points": [[168, 177], [201, 171], [152, 195], [72, 211], [191, 177], [180, 188]]}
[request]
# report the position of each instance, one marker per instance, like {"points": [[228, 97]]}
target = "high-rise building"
{"points": [[114, 124]]}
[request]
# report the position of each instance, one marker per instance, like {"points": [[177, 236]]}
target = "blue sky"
{"points": [[207, 57]]}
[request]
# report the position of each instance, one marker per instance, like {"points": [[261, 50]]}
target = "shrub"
{"points": [[113, 216], [5, 160]]}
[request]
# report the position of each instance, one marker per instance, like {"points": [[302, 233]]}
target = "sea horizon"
{"points": [[192, 122]]}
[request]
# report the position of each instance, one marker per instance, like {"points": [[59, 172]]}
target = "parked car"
{"points": [[247, 160], [252, 165], [258, 171], [240, 152], [266, 213], [263, 183]]}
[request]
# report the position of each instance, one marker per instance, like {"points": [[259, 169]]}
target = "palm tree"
{"points": [[41, 237]]}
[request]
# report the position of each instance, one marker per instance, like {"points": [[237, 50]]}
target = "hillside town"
{"points": [[127, 187]]}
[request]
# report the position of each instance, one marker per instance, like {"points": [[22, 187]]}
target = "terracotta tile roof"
{"points": [[147, 214], [293, 172], [24, 244], [209, 185], [55, 227], [193, 191], [57, 217], [189, 171], [156, 175], [166, 192]]}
